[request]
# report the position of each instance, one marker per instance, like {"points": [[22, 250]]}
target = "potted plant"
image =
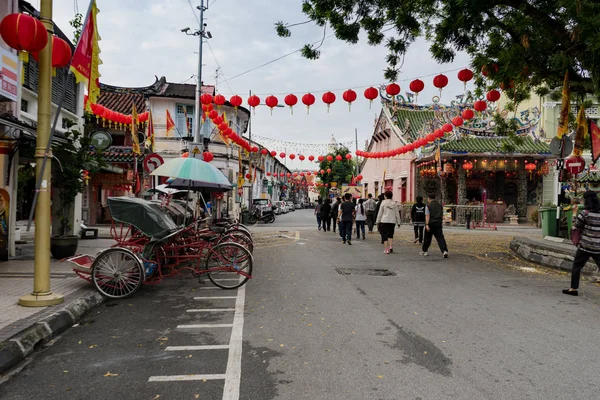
{"points": [[71, 160]]}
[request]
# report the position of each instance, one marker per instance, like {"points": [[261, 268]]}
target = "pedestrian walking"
{"points": [[433, 226], [388, 216], [370, 205], [587, 228], [417, 215], [334, 214], [318, 213], [361, 218], [325, 215], [346, 218], [380, 198]]}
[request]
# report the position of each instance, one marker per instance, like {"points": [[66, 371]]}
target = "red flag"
{"points": [[170, 123], [151, 131], [595, 136]]}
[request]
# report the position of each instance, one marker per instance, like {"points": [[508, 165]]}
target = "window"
{"points": [[24, 105], [180, 123]]}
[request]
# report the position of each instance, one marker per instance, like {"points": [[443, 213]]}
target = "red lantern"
{"points": [[291, 100], [465, 75], [311, 158], [440, 82], [217, 120], [416, 86], [321, 158], [23, 32], [273, 153], [253, 101], [467, 166], [329, 158], [213, 114], [348, 156], [264, 152], [493, 95], [301, 157], [359, 178], [438, 133], [480, 105], [292, 156], [468, 114], [322, 171], [530, 167], [349, 96], [206, 99], [308, 100], [235, 101], [457, 121], [486, 70], [289, 175], [282, 155], [392, 89], [219, 100], [254, 149], [328, 170], [271, 101], [328, 98], [268, 174], [371, 94], [223, 126], [281, 174], [248, 176], [338, 157], [61, 53], [208, 156], [447, 128]]}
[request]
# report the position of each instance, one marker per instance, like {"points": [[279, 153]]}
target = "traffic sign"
{"points": [[575, 164], [152, 161], [196, 150], [556, 143]]}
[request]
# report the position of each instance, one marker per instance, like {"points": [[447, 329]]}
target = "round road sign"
{"points": [[152, 161], [575, 164]]}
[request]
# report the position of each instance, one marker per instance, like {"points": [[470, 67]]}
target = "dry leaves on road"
{"points": [[110, 374]]}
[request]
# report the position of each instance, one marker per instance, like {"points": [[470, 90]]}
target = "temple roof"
{"points": [[589, 176], [473, 144], [411, 121]]}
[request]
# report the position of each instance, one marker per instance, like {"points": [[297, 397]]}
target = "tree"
{"points": [[533, 42], [77, 24], [341, 171]]}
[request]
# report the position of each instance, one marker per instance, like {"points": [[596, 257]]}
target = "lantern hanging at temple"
{"points": [[348, 156], [264, 152], [321, 158], [329, 99], [235, 101], [23, 32], [328, 170], [292, 156], [488, 70], [273, 153], [338, 157], [349, 96], [447, 128], [254, 149], [465, 75], [282, 155], [253, 101], [271, 102], [301, 157], [219, 100], [457, 121], [311, 158], [393, 89], [493, 95], [480, 105], [290, 100], [468, 114], [308, 100], [329, 158], [440, 82], [371, 94], [416, 86], [206, 99]]}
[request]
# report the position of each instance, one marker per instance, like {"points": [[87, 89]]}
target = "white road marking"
{"points": [[209, 309], [199, 326], [204, 347], [215, 297], [233, 374], [172, 378]]}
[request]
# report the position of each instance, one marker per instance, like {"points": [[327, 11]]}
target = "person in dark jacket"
{"points": [[326, 215], [334, 212], [588, 223], [418, 218], [380, 198], [434, 213]]}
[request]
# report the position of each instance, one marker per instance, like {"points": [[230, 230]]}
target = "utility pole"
{"points": [[250, 159], [356, 149], [197, 118], [41, 295]]}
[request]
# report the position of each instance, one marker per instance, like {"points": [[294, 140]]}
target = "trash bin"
{"points": [[245, 216], [567, 215], [548, 216]]}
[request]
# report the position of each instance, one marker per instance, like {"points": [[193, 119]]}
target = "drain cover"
{"points": [[365, 271]]}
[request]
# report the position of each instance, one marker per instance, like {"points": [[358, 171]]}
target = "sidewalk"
{"points": [[22, 328], [552, 252]]}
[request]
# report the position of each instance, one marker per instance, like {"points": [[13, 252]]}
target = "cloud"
{"points": [[141, 39]]}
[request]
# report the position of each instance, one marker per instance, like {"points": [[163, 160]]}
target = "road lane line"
{"points": [[195, 310], [198, 326], [173, 378], [215, 297], [233, 374], [203, 347]]}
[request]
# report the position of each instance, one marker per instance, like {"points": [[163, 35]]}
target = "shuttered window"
{"points": [[180, 124]]}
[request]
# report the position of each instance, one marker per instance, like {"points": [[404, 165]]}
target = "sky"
{"points": [[143, 38]]}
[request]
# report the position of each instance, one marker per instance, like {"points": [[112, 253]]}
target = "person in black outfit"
{"points": [[334, 213], [326, 215], [381, 197], [418, 218], [433, 226], [346, 215]]}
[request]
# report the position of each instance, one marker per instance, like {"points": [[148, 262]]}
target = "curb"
{"points": [[21, 345]]}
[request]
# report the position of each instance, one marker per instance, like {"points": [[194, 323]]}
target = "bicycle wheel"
{"points": [[117, 273], [239, 238], [239, 231], [234, 259]]}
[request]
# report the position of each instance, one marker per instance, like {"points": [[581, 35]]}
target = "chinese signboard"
{"points": [[9, 76], [355, 191]]}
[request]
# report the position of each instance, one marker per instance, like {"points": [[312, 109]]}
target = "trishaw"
{"points": [[150, 246]]}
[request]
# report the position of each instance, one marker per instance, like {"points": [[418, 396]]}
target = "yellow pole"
{"points": [[41, 295]]}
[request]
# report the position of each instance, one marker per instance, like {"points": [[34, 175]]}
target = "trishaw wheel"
{"points": [[117, 273], [235, 262], [238, 238]]}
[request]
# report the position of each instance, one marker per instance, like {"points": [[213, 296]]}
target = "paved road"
{"points": [[467, 327]]}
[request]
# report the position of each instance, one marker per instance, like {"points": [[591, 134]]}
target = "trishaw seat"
{"points": [[217, 229]]}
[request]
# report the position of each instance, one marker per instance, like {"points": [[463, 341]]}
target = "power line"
{"points": [[219, 65], [194, 11]]}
